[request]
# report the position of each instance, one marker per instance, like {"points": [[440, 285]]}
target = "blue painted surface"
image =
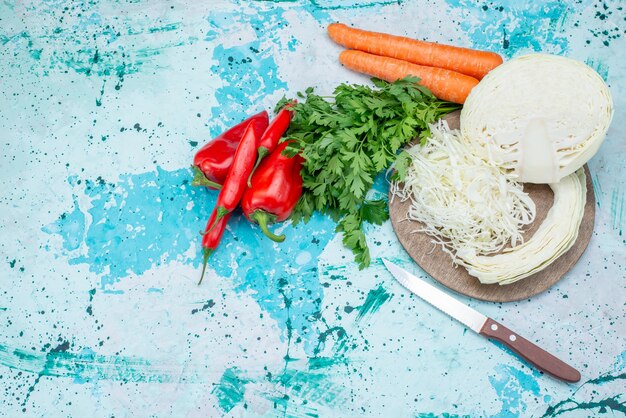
{"points": [[135, 224], [101, 109]]}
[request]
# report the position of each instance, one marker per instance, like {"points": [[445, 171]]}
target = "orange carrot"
{"points": [[445, 84], [463, 60]]}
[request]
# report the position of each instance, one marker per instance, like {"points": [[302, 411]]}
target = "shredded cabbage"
{"points": [[556, 234], [467, 204], [474, 207]]}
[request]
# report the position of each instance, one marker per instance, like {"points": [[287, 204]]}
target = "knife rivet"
{"points": [[512, 337], [494, 327]]}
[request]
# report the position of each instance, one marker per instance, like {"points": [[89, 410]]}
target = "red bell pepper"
{"points": [[213, 161], [276, 188], [235, 183], [272, 135], [212, 238]]}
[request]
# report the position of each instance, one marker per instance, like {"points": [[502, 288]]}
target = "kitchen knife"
{"points": [[484, 325]]}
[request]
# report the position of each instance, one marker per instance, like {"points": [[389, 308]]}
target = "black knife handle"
{"points": [[538, 357]]}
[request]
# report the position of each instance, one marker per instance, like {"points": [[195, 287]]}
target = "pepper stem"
{"points": [[221, 212], [200, 179], [262, 218], [261, 152], [207, 254]]}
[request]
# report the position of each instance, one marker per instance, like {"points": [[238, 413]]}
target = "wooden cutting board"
{"points": [[438, 264]]}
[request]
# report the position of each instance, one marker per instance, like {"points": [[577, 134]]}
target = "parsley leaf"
{"points": [[347, 140], [401, 166], [374, 211]]}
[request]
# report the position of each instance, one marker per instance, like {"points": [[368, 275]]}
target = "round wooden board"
{"points": [[439, 265]]}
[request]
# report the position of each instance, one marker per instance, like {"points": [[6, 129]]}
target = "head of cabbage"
{"points": [[540, 116]]}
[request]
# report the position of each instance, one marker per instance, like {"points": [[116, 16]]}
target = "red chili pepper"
{"points": [[235, 183], [212, 238], [272, 135], [213, 161], [276, 188]]}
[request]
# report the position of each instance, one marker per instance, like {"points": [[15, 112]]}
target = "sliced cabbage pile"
{"points": [[556, 234], [540, 116], [468, 204], [473, 207]]}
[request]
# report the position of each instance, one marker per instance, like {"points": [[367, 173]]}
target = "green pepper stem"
{"points": [[261, 152], [262, 218], [207, 254], [200, 179], [221, 212]]}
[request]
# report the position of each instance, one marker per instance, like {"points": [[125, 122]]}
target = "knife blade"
{"points": [[484, 325]]}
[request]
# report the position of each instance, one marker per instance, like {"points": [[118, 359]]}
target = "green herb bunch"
{"points": [[347, 139]]}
